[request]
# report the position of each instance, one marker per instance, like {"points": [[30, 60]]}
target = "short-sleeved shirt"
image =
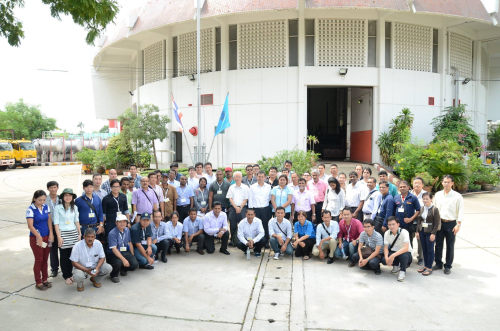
{"points": [[138, 234], [169, 195], [119, 239], [356, 194], [215, 188], [318, 189], [303, 200], [210, 179], [281, 197], [174, 231], [184, 193], [238, 193], [65, 218], [404, 238], [306, 229], [406, 208], [175, 183], [82, 254], [373, 241], [194, 183], [144, 200], [40, 219], [192, 227]]}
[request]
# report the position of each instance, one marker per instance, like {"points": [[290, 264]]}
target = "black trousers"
{"points": [[54, 257], [264, 214], [200, 239], [66, 266], [172, 243], [163, 247], [379, 221], [318, 207], [257, 247], [183, 212], [306, 250], [446, 232], [402, 260], [234, 220], [210, 242], [308, 213], [117, 264], [374, 263]]}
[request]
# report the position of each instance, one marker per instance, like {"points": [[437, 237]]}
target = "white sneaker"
{"points": [[395, 270], [401, 277], [276, 256]]}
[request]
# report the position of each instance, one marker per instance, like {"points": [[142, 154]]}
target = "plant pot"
{"points": [[479, 183], [119, 172], [101, 171], [85, 167], [87, 171], [462, 189], [106, 171], [487, 187], [428, 188]]}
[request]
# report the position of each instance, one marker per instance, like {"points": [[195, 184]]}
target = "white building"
{"points": [[280, 62]]}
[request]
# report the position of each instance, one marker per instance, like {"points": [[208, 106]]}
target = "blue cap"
{"points": [[145, 216]]}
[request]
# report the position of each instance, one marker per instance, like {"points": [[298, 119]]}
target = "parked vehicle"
{"points": [[6, 154], [24, 153]]}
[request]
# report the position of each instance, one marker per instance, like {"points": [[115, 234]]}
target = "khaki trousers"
{"points": [[331, 245]]}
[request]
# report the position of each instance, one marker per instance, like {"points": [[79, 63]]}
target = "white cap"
{"points": [[121, 217]]}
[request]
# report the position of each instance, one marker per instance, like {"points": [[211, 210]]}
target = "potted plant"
{"points": [[86, 156], [110, 160], [458, 170], [100, 161], [490, 178], [428, 180]]}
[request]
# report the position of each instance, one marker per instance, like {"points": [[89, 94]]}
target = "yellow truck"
{"points": [[6, 155], [24, 153]]}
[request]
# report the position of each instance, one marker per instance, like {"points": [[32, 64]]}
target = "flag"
{"points": [[224, 118], [177, 114]]}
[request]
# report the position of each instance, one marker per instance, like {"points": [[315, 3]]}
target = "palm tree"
{"points": [[81, 126], [312, 140], [494, 139]]}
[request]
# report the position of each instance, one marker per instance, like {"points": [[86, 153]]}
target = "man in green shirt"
{"points": [[384, 177]]}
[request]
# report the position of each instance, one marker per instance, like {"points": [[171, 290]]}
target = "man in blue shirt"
{"points": [[120, 254], [387, 208], [175, 167], [193, 232], [135, 177], [407, 209], [185, 200], [90, 209]]}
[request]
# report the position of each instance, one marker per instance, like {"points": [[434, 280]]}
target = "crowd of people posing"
{"points": [[121, 225]]}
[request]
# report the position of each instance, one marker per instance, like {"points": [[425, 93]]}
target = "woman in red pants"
{"points": [[41, 237]]}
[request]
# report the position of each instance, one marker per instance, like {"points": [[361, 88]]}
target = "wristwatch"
{"points": [[459, 224]]}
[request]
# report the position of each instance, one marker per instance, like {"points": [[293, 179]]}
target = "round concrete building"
{"points": [[339, 70]]}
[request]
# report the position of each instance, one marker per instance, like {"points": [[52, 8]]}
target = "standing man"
{"points": [[114, 204], [144, 250], [199, 169], [193, 180], [418, 185], [170, 197], [273, 179], [215, 226], [322, 176], [373, 200], [397, 252], [125, 183], [229, 175], [251, 233], [355, 195], [218, 191], [280, 231], [451, 208], [250, 179], [175, 167], [318, 188], [193, 232], [159, 236], [255, 169], [158, 191], [326, 237], [384, 177], [185, 199], [144, 200], [171, 178], [288, 165], [258, 200], [407, 209], [209, 175], [350, 229], [106, 186], [303, 199], [294, 185], [120, 253], [359, 171], [387, 208], [334, 171], [96, 181], [237, 194], [90, 209], [135, 176], [373, 239], [52, 202]]}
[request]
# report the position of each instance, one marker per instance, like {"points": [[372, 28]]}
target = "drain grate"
{"points": [[275, 289], [273, 303], [278, 267], [277, 278], [271, 320]]}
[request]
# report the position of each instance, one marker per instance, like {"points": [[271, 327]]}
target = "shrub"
{"points": [[302, 161], [86, 156], [390, 143], [447, 167]]}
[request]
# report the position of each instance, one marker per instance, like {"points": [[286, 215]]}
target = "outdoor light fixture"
{"points": [[343, 71], [466, 81], [132, 94], [360, 101], [191, 77]]}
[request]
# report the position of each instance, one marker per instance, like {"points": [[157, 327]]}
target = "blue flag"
{"points": [[224, 118]]}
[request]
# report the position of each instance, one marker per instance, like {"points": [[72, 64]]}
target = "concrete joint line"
{"points": [[254, 296]]}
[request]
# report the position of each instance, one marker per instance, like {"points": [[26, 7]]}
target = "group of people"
{"points": [[121, 225]]}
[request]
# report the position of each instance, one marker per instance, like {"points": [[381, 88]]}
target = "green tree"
{"points": [[27, 120], [93, 15], [104, 129], [145, 127], [494, 139]]}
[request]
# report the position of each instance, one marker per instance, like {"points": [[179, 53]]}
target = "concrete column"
{"points": [[169, 73], [301, 88], [224, 48], [443, 67], [140, 75]]}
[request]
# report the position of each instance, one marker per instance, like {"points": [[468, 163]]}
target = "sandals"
{"points": [[427, 272], [41, 287], [69, 281], [47, 284], [305, 258], [421, 270]]}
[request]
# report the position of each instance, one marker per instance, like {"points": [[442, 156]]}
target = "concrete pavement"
{"points": [[218, 292]]}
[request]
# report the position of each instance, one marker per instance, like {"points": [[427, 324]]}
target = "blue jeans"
{"points": [[85, 228], [427, 248], [140, 258], [277, 248], [349, 250]]}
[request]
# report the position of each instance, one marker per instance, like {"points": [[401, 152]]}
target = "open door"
{"points": [[361, 124]]}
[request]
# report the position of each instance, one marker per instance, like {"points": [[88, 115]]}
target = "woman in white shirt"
{"points": [[334, 199], [67, 226]]}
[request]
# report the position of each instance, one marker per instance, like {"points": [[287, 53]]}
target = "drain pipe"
{"points": [[457, 86]]}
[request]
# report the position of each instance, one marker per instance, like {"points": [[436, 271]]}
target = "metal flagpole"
{"points": [[187, 143], [198, 78], [212, 145]]}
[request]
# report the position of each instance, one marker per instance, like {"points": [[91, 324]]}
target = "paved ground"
{"points": [[218, 292]]}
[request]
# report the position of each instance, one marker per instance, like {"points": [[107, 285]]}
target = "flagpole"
{"points": [[212, 145]]}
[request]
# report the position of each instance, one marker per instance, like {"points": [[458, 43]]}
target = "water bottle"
{"points": [[50, 243], [248, 253], [343, 252]]}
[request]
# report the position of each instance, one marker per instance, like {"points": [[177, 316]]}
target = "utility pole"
{"points": [[198, 65]]}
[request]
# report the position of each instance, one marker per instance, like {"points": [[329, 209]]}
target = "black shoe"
{"points": [[164, 260], [330, 260], [267, 246], [447, 271], [147, 267], [225, 252], [115, 279], [408, 265], [178, 250], [351, 264], [437, 267], [230, 244], [200, 252], [123, 273], [420, 262], [378, 272], [53, 273]]}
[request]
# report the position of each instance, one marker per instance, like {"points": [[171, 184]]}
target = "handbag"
{"points": [[366, 251]]}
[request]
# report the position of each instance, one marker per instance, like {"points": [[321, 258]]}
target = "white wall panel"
{"points": [[275, 85], [412, 47], [249, 85], [262, 45], [461, 54], [154, 63]]}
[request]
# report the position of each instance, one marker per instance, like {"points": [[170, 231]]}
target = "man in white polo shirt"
{"points": [[238, 197]]}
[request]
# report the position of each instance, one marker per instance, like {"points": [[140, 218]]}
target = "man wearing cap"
{"points": [[114, 204], [144, 250], [144, 199], [193, 181], [229, 175], [193, 232], [120, 253], [170, 197], [159, 236]]}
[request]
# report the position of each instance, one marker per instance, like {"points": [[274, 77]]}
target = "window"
{"points": [[372, 43], [293, 43], [435, 50], [233, 47], [176, 57], [217, 50], [309, 42], [388, 34]]}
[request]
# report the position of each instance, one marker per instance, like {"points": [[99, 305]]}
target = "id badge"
{"points": [[167, 199], [144, 242], [88, 264], [91, 215], [219, 192], [123, 249], [203, 203], [67, 222], [401, 209], [425, 225], [183, 199], [118, 213]]}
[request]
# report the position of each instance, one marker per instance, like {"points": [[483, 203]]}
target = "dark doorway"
{"points": [[176, 146], [327, 120]]}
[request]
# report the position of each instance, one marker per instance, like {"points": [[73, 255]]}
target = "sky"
{"points": [[51, 68]]}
